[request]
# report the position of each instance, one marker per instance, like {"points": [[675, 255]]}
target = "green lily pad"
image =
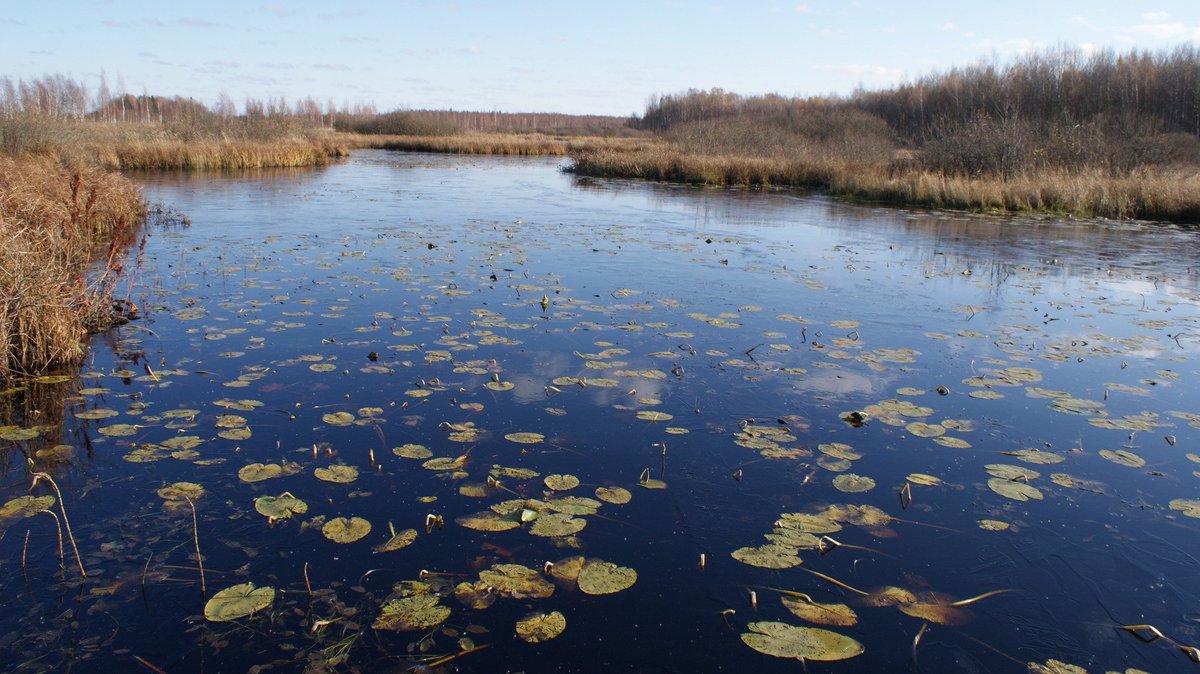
{"points": [[346, 529], [412, 451], [237, 602], [802, 643], [399, 540], [1017, 491], [557, 524], [179, 490], [280, 507], [853, 483], [487, 521], [1122, 457], [339, 473], [1190, 507], [839, 615], [25, 506], [257, 472], [525, 438]]}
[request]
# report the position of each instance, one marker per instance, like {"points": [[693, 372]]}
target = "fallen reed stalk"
{"points": [[196, 539], [37, 477]]}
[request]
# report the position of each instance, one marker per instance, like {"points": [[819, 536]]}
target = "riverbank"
{"points": [[1171, 194], [55, 220]]}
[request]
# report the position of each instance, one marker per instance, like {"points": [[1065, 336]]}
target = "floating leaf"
{"points": [[924, 480], [1035, 455], [805, 608], [180, 490], [237, 602], [924, 430], [561, 482], [257, 472], [345, 529], [853, 483], [614, 495], [97, 413], [517, 582], [936, 609], [557, 524], [525, 438], [412, 451], [280, 507], [1053, 666], [651, 415], [803, 643], [443, 463], [599, 577], [417, 612], [1017, 491], [25, 506], [768, 556], [538, 627], [339, 473], [1122, 457], [1190, 507], [993, 525], [476, 596], [399, 540], [119, 430], [338, 419], [487, 521], [565, 572], [1007, 472]]}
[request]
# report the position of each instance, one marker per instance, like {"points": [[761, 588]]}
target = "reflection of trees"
{"points": [[29, 404]]}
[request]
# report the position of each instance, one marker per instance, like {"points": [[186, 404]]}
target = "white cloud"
{"points": [[950, 26], [1156, 17], [1169, 31]]}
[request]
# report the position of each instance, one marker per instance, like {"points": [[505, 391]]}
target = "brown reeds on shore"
{"points": [[1171, 194], [527, 144], [55, 219]]}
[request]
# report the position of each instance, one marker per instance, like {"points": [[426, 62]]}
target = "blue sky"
{"points": [[605, 57]]}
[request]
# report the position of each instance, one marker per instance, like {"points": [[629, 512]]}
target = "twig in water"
{"points": [[196, 538], [37, 477], [24, 549], [307, 585], [58, 527]]}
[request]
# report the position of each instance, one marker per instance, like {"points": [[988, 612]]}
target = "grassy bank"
{"points": [[1171, 194], [55, 219], [503, 143]]}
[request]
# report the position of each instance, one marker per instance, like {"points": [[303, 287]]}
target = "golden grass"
{"points": [[528, 144], [52, 219], [1162, 194]]}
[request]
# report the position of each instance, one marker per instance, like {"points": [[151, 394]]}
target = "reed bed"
{"points": [[55, 219], [525, 144], [1171, 194]]}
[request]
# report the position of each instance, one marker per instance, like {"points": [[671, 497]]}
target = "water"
{"points": [[397, 288]]}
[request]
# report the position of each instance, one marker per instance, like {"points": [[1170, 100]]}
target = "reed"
{"points": [[55, 219], [522, 144]]}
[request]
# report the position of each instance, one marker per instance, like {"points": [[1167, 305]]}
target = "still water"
{"points": [[958, 443]]}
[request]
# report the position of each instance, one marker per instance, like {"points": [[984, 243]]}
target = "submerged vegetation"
{"points": [[1099, 134]]}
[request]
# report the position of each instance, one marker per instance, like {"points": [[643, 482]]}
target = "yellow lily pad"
{"points": [[525, 438], [1190, 507], [768, 556], [416, 612], [993, 525], [853, 483], [517, 582], [924, 480], [537, 627], [399, 540], [345, 529], [803, 643], [1122, 457], [614, 495], [561, 482], [839, 615], [257, 472], [412, 451], [486, 521], [280, 507], [557, 524], [238, 601], [179, 490], [654, 416], [600, 577], [339, 473], [1017, 491]]}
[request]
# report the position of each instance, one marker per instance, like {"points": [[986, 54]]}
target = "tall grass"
{"points": [[502, 143], [53, 220]]}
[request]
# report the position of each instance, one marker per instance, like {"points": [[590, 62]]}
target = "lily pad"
{"points": [[517, 582], [561, 482], [614, 495], [412, 451], [179, 490], [238, 601], [257, 472], [280, 507], [346, 529], [839, 615], [1190, 507], [802, 643], [853, 483], [557, 524], [417, 612], [525, 438], [600, 577], [1122, 457], [1017, 491], [487, 521], [399, 540], [768, 556], [25, 506], [339, 473], [537, 627]]}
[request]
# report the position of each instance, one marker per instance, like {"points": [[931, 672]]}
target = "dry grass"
{"points": [[502, 143], [1162, 194], [53, 220]]}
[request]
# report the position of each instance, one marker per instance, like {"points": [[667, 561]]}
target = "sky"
{"points": [[601, 57]]}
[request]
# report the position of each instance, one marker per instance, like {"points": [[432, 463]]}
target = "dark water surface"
{"points": [[706, 339]]}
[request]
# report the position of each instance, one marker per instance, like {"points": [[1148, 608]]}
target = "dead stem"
{"points": [[63, 509], [196, 539]]}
